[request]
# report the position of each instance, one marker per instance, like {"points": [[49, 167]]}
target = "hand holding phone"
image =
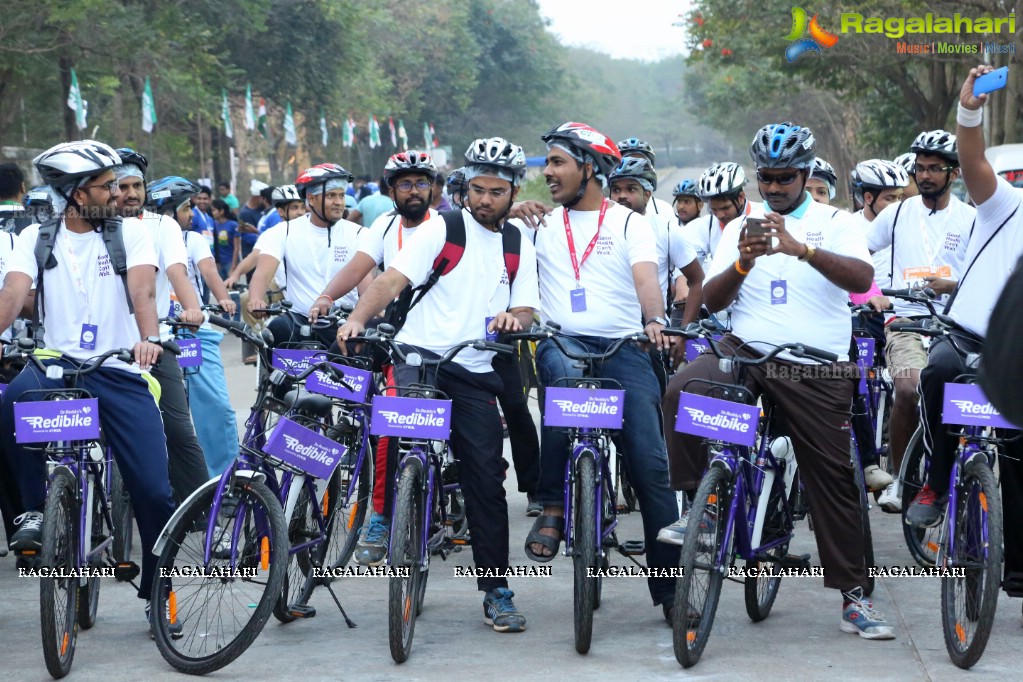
{"points": [[991, 81], [755, 227]]}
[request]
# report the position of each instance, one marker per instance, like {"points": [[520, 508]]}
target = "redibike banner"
{"points": [[191, 352], [966, 405], [294, 361], [590, 408], [359, 379], [410, 417], [717, 419], [49, 420], [694, 347], [304, 449], [865, 359]]}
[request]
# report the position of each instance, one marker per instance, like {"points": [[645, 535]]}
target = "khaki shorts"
{"points": [[905, 351]]}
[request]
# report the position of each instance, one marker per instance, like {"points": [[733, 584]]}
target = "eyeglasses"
{"points": [[109, 186], [782, 179], [478, 191], [934, 170], [407, 185]]}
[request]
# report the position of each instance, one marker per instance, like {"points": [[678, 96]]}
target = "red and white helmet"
{"points": [[585, 141], [409, 162], [321, 175]]}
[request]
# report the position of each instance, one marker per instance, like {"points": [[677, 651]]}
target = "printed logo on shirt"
{"points": [[604, 246], [504, 276], [341, 254], [815, 239], [104, 266], [952, 242]]}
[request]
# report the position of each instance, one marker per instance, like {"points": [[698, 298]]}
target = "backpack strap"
{"points": [[511, 240], [113, 239], [45, 260], [449, 256], [959, 284], [384, 236], [891, 265]]}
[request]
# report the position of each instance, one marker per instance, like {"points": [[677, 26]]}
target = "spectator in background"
{"points": [[13, 216], [440, 200], [271, 217], [227, 241], [364, 187], [248, 217], [372, 207], [202, 221], [224, 190]]}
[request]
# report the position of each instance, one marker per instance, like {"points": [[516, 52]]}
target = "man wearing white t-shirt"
{"points": [[927, 235], [801, 270], [659, 209], [598, 279], [995, 247], [478, 296], [10, 498], [83, 306]]}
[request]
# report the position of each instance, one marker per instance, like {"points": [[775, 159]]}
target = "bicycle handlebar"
{"points": [[552, 331], [799, 350], [382, 336], [242, 331]]}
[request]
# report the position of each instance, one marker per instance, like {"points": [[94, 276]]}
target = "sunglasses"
{"points": [[781, 179]]}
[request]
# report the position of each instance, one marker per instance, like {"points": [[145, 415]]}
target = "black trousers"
{"points": [[525, 442], [185, 460]]}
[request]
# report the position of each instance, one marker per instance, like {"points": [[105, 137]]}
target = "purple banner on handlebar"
{"points": [[966, 405], [865, 359], [191, 352], [717, 419], [304, 449], [410, 417], [694, 347], [589, 408], [50, 420], [359, 379], [294, 361], [3, 388]]}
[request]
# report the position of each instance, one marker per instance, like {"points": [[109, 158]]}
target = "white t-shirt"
{"points": [[7, 240], [673, 252], [982, 286], [196, 250], [704, 233], [612, 305], [170, 250], [312, 260], [923, 243], [457, 307], [95, 298], [881, 259], [785, 301], [386, 236]]}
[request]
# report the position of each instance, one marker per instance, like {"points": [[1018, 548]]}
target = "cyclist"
{"points": [[876, 184], [687, 202], [992, 255], [802, 269], [721, 187], [928, 235], [456, 187], [634, 148], [212, 414], [821, 184], [85, 313], [606, 291], [454, 310], [908, 163]]}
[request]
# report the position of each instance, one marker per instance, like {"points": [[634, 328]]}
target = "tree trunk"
{"points": [[70, 128]]}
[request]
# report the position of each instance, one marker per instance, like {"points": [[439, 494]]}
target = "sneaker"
{"points": [[891, 499], [534, 508], [859, 617], [876, 478], [175, 628], [500, 613], [371, 550], [926, 509], [221, 546], [30, 534], [675, 534]]}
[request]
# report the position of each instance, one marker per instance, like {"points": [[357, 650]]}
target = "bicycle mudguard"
{"points": [[212, 483]]}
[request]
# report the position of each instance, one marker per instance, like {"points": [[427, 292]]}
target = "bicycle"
{"points": [[422, 523], [873, 402], [971, 532], [741, 503]]}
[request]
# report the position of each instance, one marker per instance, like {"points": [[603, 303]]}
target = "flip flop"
{"points": [[550, 543]]}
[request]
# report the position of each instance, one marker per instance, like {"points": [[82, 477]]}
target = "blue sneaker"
{"points": [[859, 617], [500, 613], [371, 550]]}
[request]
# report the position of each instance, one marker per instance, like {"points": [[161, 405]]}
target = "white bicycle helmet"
{"points": [[285, 194], [722, 180], [907, 161], [938, 142], [487, 155], [880, 173], [69, 162], [409, 162]]}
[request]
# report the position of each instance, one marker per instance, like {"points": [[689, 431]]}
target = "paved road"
{"points": [[799, 641]]}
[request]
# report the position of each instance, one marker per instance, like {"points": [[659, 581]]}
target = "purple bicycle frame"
{"points": [[585, 441]]}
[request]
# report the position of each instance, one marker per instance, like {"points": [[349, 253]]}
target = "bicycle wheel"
{"points": [[922, 542], [868, 541], [406, 536], [761, 591], [219, 616], [628, 494], [697, 591], [298, 579], [345, 520], [885, 460], [58, 597], [968, 603], [123, 518], [585, 548], [88, 592]]}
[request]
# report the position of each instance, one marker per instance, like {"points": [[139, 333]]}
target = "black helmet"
{"points": [[130, 156], [637, 169], [170, 192], [783, 145]]}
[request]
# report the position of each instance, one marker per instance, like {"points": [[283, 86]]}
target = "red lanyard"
{"points": [[401, 226], [576, 263]]}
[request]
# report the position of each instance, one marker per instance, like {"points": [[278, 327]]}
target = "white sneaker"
{"points": [[876, 478], [675, 534], [891, 499]]}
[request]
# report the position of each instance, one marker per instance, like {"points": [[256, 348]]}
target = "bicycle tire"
{"points": [[885, 460], [921, 542], [584, 548], [628, 493], [88, 594], [58, 597], [690, 631], [760, 592], [868, 541], [122, 516], [406, 536], [968, 603], [257, 516], [345, 521], [298, 579]]}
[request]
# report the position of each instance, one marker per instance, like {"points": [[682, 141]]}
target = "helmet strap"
{"points": [[582, 188]]}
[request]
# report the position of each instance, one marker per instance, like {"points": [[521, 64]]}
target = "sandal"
{"points": [[544, 521]]}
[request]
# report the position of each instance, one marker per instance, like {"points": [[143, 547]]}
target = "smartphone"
{"points": [[990, 82], [755, 227]]}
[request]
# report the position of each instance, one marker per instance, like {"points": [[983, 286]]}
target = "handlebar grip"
{"points": [[913, 327], [819, 354], [226, 323], [674, 331], [171, 346], [896, 292], [500, 348]]}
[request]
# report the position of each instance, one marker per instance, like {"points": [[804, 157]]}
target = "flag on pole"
{"points": [[346, 133], [402, 135], [323, 128], [76, 103], [225, 114], [289, 127], [250, 117], [427, 138], [355, 128], [434, 142], [261, 121], [148, 108], [374, 132], [394, 138]]}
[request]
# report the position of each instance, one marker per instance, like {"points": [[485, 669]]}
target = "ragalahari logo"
{"points": [[818, 37]]}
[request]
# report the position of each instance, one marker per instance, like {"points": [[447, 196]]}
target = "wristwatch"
{"points": [[153, 339], [663, 321]]}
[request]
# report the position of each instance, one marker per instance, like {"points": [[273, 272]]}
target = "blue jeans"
{"points": [[641, 444]]}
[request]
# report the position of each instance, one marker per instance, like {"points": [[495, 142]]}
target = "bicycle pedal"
{"points": [[800, 561], [302, 610], [632, 547], [28, 559], [126, 572], [623, 509]]}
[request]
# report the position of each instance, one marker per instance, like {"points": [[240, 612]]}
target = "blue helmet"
{"points": [[784, 145], [686, 188], [634, 145]]}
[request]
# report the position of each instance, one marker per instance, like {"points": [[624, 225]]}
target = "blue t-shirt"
{"points": [[374, 206], [269, 220], [252, 217], [223, 241], [201, 221]]}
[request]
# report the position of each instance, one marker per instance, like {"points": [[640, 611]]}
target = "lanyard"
{"points": [[925, 237], [401, 226], [77, 278], [576, 263]]}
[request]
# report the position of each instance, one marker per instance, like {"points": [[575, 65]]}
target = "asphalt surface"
{"points": [[800, 640]]}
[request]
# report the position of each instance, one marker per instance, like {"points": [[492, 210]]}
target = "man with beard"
{"points": [[927, 235], [479, 295]]}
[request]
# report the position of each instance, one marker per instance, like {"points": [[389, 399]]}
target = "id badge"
{"points": [[87, 341], [779, 292], [490, 335], [578, 300]]}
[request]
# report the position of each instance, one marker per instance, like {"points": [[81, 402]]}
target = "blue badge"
{"points": [[87, 341], [578, 300], [779, 292], [490, 335]]}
